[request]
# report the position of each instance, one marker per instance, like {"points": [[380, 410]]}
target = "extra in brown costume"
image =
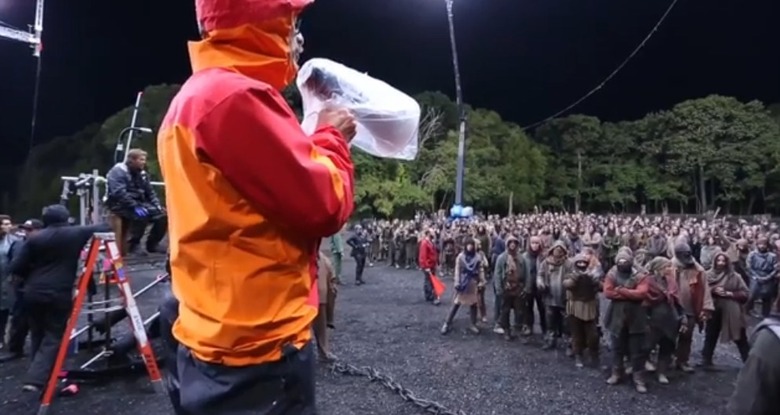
{"points": [[326, 284], [582, 307]]}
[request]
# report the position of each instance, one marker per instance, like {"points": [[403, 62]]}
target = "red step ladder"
{"points": [[107, 241]]}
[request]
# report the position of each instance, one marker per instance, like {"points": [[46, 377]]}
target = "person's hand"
{"points": [[719, 291], [340, 119], [683, 328], [705, 315], [141, 212]]}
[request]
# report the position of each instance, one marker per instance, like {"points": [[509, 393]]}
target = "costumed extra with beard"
{"points": [[250, 196]]}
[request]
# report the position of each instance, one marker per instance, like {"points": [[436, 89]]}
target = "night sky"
{"points": [[526, 59]]}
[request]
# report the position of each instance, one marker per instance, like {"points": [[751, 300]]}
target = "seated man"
{"points": [[134, 205]]}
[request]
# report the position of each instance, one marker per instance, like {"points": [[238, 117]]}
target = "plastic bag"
{"points": [[387, 119]]}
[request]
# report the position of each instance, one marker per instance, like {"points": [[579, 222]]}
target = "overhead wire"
{"points": [[8, 25], [612, 74], [36, 94]]}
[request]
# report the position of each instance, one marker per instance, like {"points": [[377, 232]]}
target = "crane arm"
{"points": [[19, 35], [32, 37]]}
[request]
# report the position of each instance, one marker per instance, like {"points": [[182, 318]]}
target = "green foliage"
{"points": [[702, 154]]}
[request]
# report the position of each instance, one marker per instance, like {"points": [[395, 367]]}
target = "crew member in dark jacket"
{"points": [[759, 380], [47, 264], [359, 244], [134, 205], [19, 324]]}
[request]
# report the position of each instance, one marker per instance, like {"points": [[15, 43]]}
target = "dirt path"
{"points": [[386, 325]]}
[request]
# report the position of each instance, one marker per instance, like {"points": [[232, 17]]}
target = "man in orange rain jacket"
{"points": [[250, 196]]}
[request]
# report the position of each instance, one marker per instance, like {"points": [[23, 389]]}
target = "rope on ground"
{"points": [[387, 381]]}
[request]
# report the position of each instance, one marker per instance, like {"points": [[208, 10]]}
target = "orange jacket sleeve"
{"points": [[303, 182]]}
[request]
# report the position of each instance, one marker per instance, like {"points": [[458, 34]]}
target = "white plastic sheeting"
{"points": [[387, 119]]}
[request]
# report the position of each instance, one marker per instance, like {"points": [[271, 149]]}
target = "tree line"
{"points": [[700, 155]]}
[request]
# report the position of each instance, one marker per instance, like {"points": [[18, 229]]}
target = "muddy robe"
{"points": [[553, 269], [583, 283], [326, 286], [511, 284], [665, 314], [729, 294], [469, 274], [626, 318], [695, 299]]}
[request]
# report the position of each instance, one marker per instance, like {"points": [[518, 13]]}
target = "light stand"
{"points": [[120, 154], [457, 209]]}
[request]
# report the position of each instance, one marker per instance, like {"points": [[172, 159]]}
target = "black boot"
{"points": [[445, 329]]}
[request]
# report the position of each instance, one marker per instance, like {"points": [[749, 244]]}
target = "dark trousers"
{"points": [[712, 333], [538, 300], [684, 343], [666, 345], [631, 346], [584, 335], [360, 265], [556, 318], [127, 342], [19, 326], [48, 317], [169, 312], [4, 314], [137, 227], [761, 292], [497, 299], [511, 304], [428, 286], [285, 387]]}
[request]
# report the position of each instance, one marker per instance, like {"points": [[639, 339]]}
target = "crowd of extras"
{"points": [[662, 278]]}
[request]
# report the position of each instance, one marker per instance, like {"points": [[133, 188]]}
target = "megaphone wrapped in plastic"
{"points": [[388, 121]]}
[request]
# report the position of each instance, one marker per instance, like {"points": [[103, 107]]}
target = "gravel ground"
{"points": [[386, 325]]}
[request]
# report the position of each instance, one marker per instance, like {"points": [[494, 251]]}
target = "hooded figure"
{"points": [[552, 271], [250, 197], [708, 251], [626, 285], [729, 294], [469, 276], [583, 285], [695, 299], [665, 315], [510, 282]]}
